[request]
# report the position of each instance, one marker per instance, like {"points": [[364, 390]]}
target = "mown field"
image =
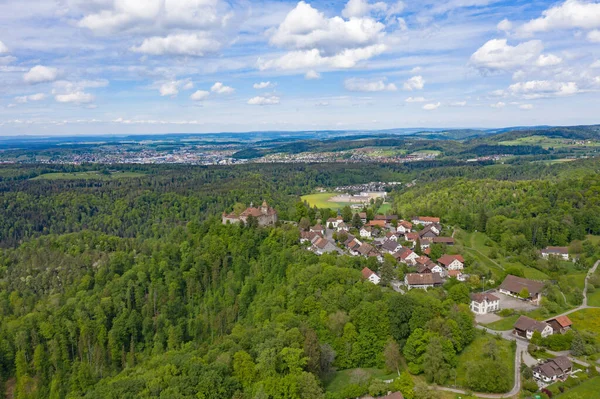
{"points": [[587, 320], [588, 389], [321, 200], [547, 142], [481, 248]]}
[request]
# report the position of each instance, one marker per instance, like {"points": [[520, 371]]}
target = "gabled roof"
{"points": [[554, 367], [556, 250], [378, 223], [404, 253], [516, 284], [411, 236], [443, 240], [429, 219], [480, 297], [394, 395], [423, 279], [454, 273], [366, 272], [390, 245], [446, 260], [405, 224], [563, 321], [365, 249], [422, 260], [525, 323], [317, 227]]}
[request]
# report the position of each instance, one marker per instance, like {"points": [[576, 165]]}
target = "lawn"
{"points": [[343, 378], [320, 200], [480, 247], [594, 298], [87, 176], [547, 142], [587, 320], [474, 353], [587, 389], [505, 324], [385, 208]]}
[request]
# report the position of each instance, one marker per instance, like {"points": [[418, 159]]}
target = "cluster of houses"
{"points": [[385, 234]]}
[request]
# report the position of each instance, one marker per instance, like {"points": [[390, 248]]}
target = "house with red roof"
{"points": [[368, 274]]}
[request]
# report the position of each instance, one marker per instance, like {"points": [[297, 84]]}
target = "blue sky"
{"points": [[160, 66]]}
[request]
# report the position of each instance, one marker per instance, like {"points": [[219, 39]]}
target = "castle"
{"points": [[265, 215]]}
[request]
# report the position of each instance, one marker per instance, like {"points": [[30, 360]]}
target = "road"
{"points": [[521, 351]]}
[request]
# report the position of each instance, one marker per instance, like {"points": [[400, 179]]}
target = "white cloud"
{"points": [[354, 84], [220, 88], [3, 48], [570, 14], [548, 60], [312, 75], [78, 97], [260, 100], [188, 85], [595, 64], [504, 25], [431, 106], [193, 44], [307, 28], [499, 104], [526, 107], [40, 74], [594, 36], [9, 59], [414, 83], [415, 100], [31, 97], [543, 88], [458, 104], [79, 85], [169, 89], [362, 8], [347, 58], [496, 54], [263, 85], [200, 95], [316, 40], [147, 15]]}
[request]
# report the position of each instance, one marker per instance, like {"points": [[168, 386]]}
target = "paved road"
{"points": [[521, 351], [584, 304]]}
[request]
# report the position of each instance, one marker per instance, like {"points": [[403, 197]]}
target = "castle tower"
{"points": [[264, 208]]}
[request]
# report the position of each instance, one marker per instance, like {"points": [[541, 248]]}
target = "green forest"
{"points": [[132, 287]]}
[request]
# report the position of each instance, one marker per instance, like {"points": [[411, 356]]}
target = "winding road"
{"points": [[521, 350]]}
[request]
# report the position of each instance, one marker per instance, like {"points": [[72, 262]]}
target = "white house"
{"points": [[551, 370], [407, 256], [404, 227], [452, 262], [365, 232], [484, 303], [334, 222], [526, 326], [561, 252], [425, 220], [368, 274]]}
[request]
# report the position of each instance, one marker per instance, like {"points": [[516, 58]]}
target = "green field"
{"points": [[505, 324], [547, 142], [385, 208], [95, 175], [344, 377], [587, 320], [320, 200], [587, 389], [480, 247], [427, 152], [474, 353]]}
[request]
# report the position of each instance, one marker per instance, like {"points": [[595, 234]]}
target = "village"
{"points": [[408, 245]]}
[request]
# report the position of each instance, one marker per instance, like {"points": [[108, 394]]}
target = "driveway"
{"points": [[487, 318], [508, 302]]}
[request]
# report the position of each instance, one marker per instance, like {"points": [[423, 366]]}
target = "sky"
{"points": [[77, 67]]}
